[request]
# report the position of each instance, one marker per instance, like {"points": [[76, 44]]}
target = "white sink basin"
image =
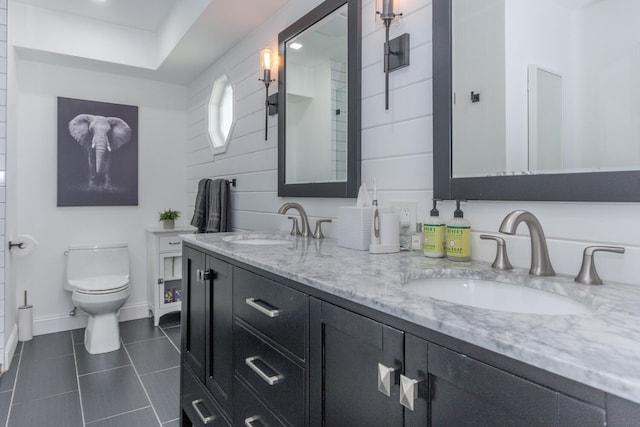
{"points": [[494, 295], [256, 240]]}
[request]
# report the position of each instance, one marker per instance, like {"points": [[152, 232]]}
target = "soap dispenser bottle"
{"points": [[434, 234], [458, 236]]}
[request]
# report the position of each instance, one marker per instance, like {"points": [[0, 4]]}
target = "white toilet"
{"points": [[98, 276]]}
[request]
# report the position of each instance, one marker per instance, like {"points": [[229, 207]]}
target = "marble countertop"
{"points": [[600, 349]]}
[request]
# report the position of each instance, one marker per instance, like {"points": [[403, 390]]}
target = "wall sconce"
{"points": [[270, 103], [396, 51]]}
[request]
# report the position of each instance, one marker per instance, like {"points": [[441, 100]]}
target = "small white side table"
{"points": [[164, 270]]}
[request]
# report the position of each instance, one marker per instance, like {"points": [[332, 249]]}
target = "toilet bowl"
{"points": [[98, 277]]}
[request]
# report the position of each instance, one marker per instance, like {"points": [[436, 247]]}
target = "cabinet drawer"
{"points": [[249, 412], [275, 310], [274, 377], [170, 244], [197, 404]]}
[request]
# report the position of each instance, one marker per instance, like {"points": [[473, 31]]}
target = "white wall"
{"points": [[162, 155], [396, 148], [3, 151]]}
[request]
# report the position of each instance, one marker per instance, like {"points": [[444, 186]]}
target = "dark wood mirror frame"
{"points": [[621, 186], [354, 64]]}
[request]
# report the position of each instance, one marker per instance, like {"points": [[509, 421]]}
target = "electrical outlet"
{"points": [[408, 215]]}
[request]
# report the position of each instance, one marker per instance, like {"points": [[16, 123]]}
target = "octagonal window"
{"points": [[220, 113]]}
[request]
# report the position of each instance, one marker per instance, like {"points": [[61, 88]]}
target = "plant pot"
{"points": [[169, 224]]}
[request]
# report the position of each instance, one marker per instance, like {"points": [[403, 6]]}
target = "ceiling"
{"points": [[190, 34]]}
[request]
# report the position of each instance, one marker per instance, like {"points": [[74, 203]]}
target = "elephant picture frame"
{"points": [[97, 153]]}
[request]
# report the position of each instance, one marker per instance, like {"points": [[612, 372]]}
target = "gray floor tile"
{"points": [[153, 355], [5, 401], [18, 348], [174, 335], [59, 410], [77, 335], [138, 330], [164, 395], [8, 379], [170, 320], [45, 377], [112, 392], [172, 423], [88, 363], [140, 418], [47, 346]]}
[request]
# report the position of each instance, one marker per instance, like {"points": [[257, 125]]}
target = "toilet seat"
{"points": [[100, 285]]}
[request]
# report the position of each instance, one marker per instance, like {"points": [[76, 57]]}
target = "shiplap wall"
{"points": [[396, 144], [396, 149]]}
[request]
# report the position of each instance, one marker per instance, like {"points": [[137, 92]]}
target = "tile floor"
{"points": [[53, 381]]}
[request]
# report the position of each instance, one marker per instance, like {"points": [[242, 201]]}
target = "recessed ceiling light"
{"points": [[295, 46]]}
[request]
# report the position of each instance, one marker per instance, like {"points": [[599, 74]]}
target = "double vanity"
{"points": [[284, 330]]}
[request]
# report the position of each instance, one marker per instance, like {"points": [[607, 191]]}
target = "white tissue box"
{"points": [[354, 227]]}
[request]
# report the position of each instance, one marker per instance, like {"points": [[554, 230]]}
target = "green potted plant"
{"points": [[168, 218]]}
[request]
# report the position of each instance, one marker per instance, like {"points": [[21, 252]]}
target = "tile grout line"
{"points": [[15, 382], [171, 341], [117, 415], [133, 365], [75, 362]]}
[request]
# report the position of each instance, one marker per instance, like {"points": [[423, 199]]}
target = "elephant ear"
{"points": [[79, 129], [120, 132]]}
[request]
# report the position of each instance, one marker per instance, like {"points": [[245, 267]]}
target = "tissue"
{"points": [[354, 223], [363, 200]]}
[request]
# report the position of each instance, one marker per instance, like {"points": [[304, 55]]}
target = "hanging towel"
{"points": [[200, 212], [218, 204]]}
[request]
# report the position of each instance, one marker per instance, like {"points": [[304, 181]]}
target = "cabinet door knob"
{"points": [[408, 391], [385, 377], [205, 420], [263, 307], [271, 378]]}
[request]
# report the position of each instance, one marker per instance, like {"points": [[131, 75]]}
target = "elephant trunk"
{"points": [[101, 160]]}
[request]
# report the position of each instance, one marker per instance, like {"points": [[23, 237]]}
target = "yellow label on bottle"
{"points": [[459, 241], [433, 238]]}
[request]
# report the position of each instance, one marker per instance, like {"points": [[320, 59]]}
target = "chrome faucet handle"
{"points": [[318, 233], [502, 260], [295, 231], [588, 274]]}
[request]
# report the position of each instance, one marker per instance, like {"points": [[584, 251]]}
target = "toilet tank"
{"points": [[84, 261]]}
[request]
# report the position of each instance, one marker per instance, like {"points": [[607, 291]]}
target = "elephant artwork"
{"points": [[97, 153], [99, 136]]}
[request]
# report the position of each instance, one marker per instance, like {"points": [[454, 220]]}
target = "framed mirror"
{"points": [[319, 102], [524, 111]]}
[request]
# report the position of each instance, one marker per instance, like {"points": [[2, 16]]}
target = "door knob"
{"points": [[385, 379], [408, 391]]}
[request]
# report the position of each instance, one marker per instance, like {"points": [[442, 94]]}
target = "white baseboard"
{"points": [[10, 348], [64, 322]]}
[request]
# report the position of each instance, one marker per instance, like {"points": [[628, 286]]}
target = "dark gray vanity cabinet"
{"points": [[207, 326], [356, 365], [428, 385], [262, 350]]}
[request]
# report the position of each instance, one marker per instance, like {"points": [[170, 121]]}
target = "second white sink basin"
{"points": [[494, 295]]}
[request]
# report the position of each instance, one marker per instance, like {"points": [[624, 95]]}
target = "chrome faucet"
{"points": [[303, 216], [540, 262]]}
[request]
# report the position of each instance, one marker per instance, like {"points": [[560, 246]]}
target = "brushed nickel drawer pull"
{"points": [[174, 243], [263, 307], [205, 420], [253, 363], [249, 422]]}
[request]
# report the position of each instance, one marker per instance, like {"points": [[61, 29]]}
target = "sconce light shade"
{"points": [[267, 61]]}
